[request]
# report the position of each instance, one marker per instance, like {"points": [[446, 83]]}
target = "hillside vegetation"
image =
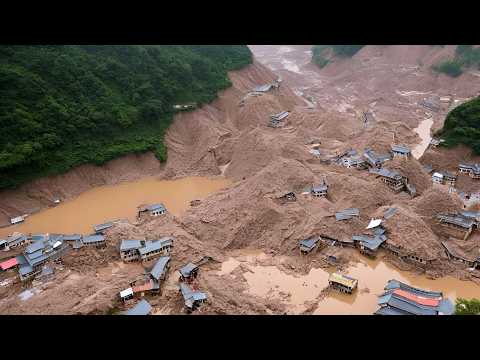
{"points": [[65, 105], [466, 56], [462, 126], [320, 52]]}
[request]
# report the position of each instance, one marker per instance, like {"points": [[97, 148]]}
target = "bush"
{"points": [[452, 67], [467, 307]]}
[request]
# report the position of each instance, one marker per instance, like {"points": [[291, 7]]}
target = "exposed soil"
{"points": [[264, 163]]}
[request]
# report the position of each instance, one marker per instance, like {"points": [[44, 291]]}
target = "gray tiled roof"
{"points": [[142, 308], [156, 207], [392, 174], [319, 188], [130, 245], [36, 246], [187, 269], [104, 226], [401, 149], [347, 214], [73, 237], [150, 246], [456, 219], [159, 268], [93, 239], [309, 243]]}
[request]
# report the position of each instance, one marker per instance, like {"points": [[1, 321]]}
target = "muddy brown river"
{"points": [[299, 292], [120, 201]]}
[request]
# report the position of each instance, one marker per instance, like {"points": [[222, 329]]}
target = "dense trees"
{"points": [[64, 105], [465, 56], [319, 52], [467, 307], [462, 126]]}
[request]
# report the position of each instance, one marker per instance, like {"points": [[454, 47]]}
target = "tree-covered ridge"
{"points": [[462, 126], [65, 105], [465, 56], [319, 52]]}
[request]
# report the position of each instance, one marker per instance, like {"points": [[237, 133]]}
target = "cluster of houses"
{"points": [[402, 299]]}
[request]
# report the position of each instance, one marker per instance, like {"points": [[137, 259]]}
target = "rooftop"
{"points": [[392, 174], [130, 245], [104, 226], [457, 219], [343, 279], [187, 269], [159, 268], [142, 308], [309, 243], [401, 149], [9, 264], [156, 207], [347, 214], [93, 239]]}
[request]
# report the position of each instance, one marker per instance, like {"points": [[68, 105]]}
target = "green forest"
{"points": [[66, 105], [319, 52], [466, 56], [462, 126]]}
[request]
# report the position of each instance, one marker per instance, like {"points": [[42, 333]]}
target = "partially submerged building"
{"points": [[141, 308], [402, 299], [102, 228], [473, 170], [97, 241], [144, 250], [460, 225], [307, 245], [277, 120], [319, 190], [342, 283], [444, 178], [401, 151], [154, 210], [393, 179], [193, 299], [373, 159]]}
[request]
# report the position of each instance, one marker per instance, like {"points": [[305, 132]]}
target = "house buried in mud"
{"points": [[458, 225], [277, 120], [400, 151], [307, 245], [402, 299], [373, 159], [393, 179], [473, 170], [193, 299]]}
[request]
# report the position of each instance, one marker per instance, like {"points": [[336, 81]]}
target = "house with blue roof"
{"points": [[307, 245], [145, 250], [141, 308], [193, 299]]}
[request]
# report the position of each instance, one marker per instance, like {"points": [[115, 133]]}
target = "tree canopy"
{"points": [[64, 105], [467, 307]]}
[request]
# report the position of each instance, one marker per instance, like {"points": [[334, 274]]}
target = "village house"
{"points": [[287, 197], [402, 299], [343, 283], [355, 161], [193, 299], [9, 264], [154, 210], [97, 241], [393, 179], [444, 178], [373, 159], [188, 272], [160, 269], [401, 151], [144, 250], [126, 294], [319, 190], [453, 254], [430, 104], [369, 245], [307, 245], [473, 170], [43, 248], [17, 220], [461, 225], [101, 228], [15, 240], [277, 119], [141, 308]]}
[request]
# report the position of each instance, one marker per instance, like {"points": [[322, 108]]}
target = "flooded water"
{"points": [[423, 130], [297, 290], [120, 201]]}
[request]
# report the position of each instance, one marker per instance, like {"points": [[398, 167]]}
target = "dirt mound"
{"points": [[435, 200], [414, 171]]}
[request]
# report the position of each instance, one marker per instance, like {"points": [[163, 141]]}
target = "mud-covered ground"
{"points": [[263, 162]]}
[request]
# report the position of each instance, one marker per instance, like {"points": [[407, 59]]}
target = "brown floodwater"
{"points": [[296, 291], [111, 202]]}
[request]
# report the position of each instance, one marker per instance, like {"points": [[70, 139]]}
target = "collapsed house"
{"points": [[430, 104], [193, 299], [459, 226], [351, 159], [342, 283], [101, 228], [141, 308], [402, 299], [153, 210], [373, 159], [347, 214], [400, 151], [456, 253], [393, 179], [444, 178], [473, 170], [277, 120], [307, 245], [286, 196], [319, 190], [43, 249], [189, 272], [144, 250]]}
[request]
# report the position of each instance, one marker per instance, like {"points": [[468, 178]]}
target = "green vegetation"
{"points": [[319, 52], [65, 105], [467, 307], [462, 126], [465, 56]]}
